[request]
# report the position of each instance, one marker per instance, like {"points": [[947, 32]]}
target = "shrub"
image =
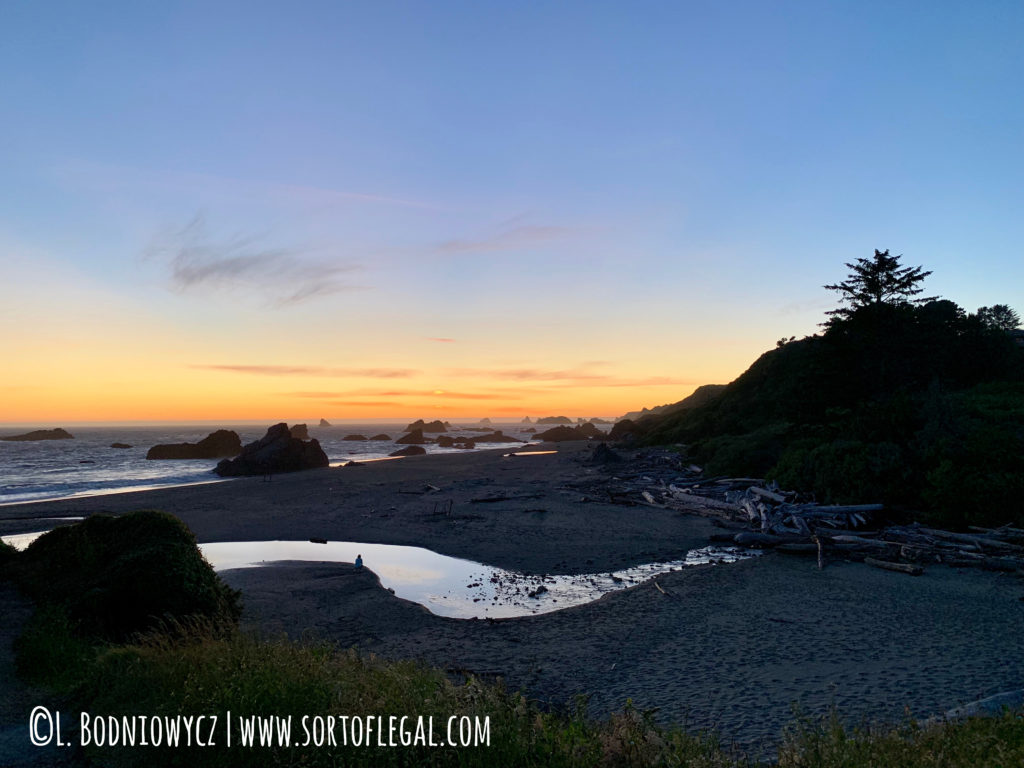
{"points": [[754, 453], [7, 557], [844, 471], [116, 576]]}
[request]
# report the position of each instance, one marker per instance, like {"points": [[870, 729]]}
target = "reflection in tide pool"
{"points": [[458, 588], [448, 586]]}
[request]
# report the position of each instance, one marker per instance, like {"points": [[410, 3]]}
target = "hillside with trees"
{"points": [[902, 399]]}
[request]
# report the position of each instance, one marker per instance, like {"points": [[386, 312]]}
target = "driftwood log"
{"points": [[764, 516], [913, 570]]}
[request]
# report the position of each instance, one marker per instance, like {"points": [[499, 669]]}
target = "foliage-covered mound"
{"points": [[116, 576], [919, 405]]}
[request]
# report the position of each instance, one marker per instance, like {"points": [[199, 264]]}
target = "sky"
{"points": [[359, 210]]}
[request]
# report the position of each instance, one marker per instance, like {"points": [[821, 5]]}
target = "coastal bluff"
{"points": [[40, 434]]}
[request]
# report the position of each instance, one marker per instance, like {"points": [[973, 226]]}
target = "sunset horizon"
{"points": [[348, 210]]}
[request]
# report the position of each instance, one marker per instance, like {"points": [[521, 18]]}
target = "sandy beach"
{"points": [[733, 647]]}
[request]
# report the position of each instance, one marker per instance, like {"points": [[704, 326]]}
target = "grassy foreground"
{"points": [[98, 652], [203, 672]]}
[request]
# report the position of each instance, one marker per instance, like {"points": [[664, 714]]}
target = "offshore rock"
{"points": [[413, 438], [275, 452], [582, 432], [300, 431], [412, 450], [40, 434], [433, 426], [217, 445]]}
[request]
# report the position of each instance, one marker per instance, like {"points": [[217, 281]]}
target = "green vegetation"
{"points": [[7, 555], [116, 576], [192, 662], [876, 281], [903, 400], [999, 316], [196, 672], [986, 743]]}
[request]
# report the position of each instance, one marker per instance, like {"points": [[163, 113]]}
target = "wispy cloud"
{"points": [[286, 276], [364, 403], [440, 340], [508, 239], [529, 374], [312, 370], [442, 393], [572, 377]]}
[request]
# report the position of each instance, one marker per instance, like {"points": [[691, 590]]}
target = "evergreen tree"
{"points": [[1000, 317], [881, 280]]}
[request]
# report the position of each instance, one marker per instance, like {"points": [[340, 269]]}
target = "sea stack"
{"points": [[275, 452], [411, 450], [415, 437], [217, 445], [40, 434], [433, 426]]}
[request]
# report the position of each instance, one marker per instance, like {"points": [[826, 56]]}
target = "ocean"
{"points": [[87, 465]]}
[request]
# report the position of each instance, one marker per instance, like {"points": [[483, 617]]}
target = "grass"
{"points": [[185, 662], [996, 742], [193, 672], [196, 669]]}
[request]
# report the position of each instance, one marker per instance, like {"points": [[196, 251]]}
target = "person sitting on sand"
{"points": [[359, 561]]}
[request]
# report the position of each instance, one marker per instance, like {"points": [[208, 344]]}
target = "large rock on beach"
{"points": [[413, 438], [447, 441], [412, 450], [625, 429], [496, 437], [275, 452], [221, 444], [40, 434], [603, 455], [433, 426]]}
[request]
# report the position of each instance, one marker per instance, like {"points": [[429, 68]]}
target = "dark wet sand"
{"points": [[732, 646]]}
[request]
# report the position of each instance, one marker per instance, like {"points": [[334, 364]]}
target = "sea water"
{"points": [[87, 465]]}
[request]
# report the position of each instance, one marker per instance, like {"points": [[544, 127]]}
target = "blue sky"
{"points": [[658, 187]]}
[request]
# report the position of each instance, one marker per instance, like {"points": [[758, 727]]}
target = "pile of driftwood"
{"points": [[760, 515]]}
